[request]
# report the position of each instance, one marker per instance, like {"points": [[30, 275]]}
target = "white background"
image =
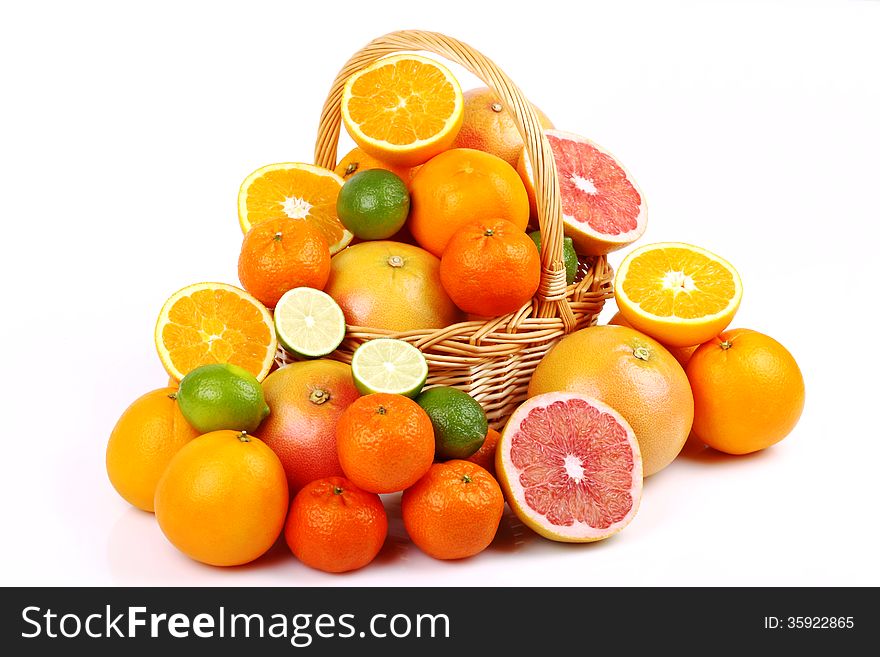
{"points": [[751, 127]]}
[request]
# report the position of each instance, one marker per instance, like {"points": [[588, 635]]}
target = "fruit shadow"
{"points": [[696, 451], [512, 534], [397, 546]]}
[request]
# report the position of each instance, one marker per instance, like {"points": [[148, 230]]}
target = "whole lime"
{"points": [[460, 424], [373, 204], [569, 256], [222, 396]]}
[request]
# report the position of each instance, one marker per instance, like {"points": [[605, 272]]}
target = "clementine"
{"points": [[453, 511], [748, 391], [385, 442], [490, 267], [278, 255], [461, 185], [334, 526], [223, 498], [485, 456]]}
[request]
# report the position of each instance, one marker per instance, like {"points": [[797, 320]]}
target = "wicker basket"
{"points": [[493, 360]]}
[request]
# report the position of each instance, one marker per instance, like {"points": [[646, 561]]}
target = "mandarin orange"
{"points": [[278, 255], [453, 511], [490, 267], [385, 442], [334, 526]]}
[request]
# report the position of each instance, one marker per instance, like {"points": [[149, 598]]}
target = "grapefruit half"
{"points": [[570, 467], [602, 207]]}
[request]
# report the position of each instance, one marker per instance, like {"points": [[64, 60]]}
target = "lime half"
{"points": [[309, 322], [389, 365]]}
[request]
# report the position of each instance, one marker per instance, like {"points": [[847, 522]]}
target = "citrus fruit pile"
{"points": [[422, 225]]}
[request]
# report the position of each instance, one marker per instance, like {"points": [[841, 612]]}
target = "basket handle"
{"points": [[550, 296]]}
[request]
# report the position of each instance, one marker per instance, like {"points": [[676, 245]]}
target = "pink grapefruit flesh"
{"points": [[570, 467], [602, 206]]}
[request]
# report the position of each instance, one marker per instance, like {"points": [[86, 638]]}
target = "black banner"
{"points": [[332, 621]]}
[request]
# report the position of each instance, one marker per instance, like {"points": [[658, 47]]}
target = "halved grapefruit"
{"points": [[602, 207], [570, 467]]}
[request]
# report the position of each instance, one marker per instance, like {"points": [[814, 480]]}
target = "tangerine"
{"points": [[490, 267], [453, 511], [278, 255], [334, 526], [385, 442]]}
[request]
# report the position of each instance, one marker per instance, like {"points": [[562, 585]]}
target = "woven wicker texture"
{"points": [[492, 360]]}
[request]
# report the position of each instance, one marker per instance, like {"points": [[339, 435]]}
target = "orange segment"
{"points": [[214, 323], [680, 294], [403, 109], [297, 191]]}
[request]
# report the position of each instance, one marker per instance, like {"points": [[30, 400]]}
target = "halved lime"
{"points": [[389, 365], [309, 322]]}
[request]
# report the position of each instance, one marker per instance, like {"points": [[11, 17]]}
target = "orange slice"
{"points": [[298, 191], [679, 294], [403, 109], [214, 323]]}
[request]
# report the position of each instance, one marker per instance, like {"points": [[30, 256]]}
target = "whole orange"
{"points": [[334, 526], [145, 437], [223, 498], [306, 399], [488, 126], [453, 511], [280, 254], [748, 391], [490, 267], [681, 354], [385, 442], [392, 286], [461, 185], [632, 373], [485, 456], [357, 160]]}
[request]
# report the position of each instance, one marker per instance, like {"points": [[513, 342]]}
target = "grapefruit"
{"points": [[389, 285], [602, 206], [633, 374], [681, 354], [570, 467], [488, 126], [307, 399]]}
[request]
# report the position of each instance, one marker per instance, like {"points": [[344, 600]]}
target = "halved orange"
{"points": [[403, 109], [214, 323], [298, 191], [678, 294]]}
